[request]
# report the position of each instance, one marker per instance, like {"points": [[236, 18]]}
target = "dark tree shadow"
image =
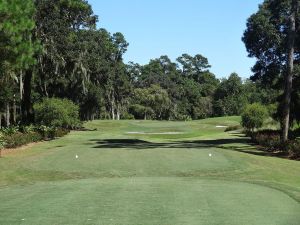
{"points": [[136, 144], [238, 142]]}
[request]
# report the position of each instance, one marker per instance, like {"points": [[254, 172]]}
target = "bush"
{"points": [[10, 130], [232, 128], [182, 117], [18, 139], [127, 116], [40, 133], [293, 148], [2, 140], [141, 112], [270, 139], [60, 132], [203, 108], [2, 143], [53, 112], [46, 132], [253, 116], [14, 137], [27, 129]]}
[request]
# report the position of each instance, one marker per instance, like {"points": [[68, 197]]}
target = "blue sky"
{"points": [[153, 28]]}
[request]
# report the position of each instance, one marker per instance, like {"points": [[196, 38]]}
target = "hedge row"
{"points": [[18, 139]]}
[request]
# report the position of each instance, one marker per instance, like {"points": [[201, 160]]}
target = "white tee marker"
{"points": [[210, 155], [76, 156]]}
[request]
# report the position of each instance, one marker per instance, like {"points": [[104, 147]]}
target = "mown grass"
{"points": [[124, 178]]}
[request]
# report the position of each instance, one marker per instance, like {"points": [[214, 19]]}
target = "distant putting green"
{"points": [[146, 173]]}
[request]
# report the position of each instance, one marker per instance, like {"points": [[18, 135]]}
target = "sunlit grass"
{"points": [[124, 178]]}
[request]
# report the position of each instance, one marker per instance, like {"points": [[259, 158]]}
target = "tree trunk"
{"points": [[21, 85], [7, 117], [112, 111], [27, 110], [112, 105], [14, 111], [118, 114], [289, 75]]}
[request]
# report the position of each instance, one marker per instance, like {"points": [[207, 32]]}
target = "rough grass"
{"points": [[133, 179]]}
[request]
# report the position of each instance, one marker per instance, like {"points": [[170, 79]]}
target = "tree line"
{"points": [[53, 49], [273, 38]]}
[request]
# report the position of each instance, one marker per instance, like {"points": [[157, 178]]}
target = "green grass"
{"points": [[145, 178]]}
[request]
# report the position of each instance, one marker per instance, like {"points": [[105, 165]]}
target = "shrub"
{"points": [[19, 139], [127, 116], [11, 138], [46, 132], [2, 142], [60, 132], [253, 116], [272, 109], [40, 133], [232, 128], [203, 108], [293, 148], [141, 112], [295, 133], [27, 129], [53, 112], [10, 130], [270, 139], [182, 117]]}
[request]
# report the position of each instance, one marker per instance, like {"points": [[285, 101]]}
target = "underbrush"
{"points": [[233, 128], [269, 140], [18, 139], [294, 149], [13, 137]]}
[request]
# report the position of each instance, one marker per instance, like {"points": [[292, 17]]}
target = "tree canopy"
{"points": [[272, 37], [53, 49]]}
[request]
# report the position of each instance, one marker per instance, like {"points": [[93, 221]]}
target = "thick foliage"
{"points": [[253, 116], [293, 148], [55, 112], [151, 103], [270, 141], [26, 135], [2, 140], [271, 38], [232, 128], [19, 139], [84, 64]]}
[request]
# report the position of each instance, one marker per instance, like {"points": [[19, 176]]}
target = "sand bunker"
{"points": [[221, 126]]}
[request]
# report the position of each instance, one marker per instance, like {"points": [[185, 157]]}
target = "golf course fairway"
{"points": [[149, 173]]}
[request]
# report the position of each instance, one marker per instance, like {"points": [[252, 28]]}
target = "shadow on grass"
{"points": [[250, 149], [237, 143], [141, 144]]}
